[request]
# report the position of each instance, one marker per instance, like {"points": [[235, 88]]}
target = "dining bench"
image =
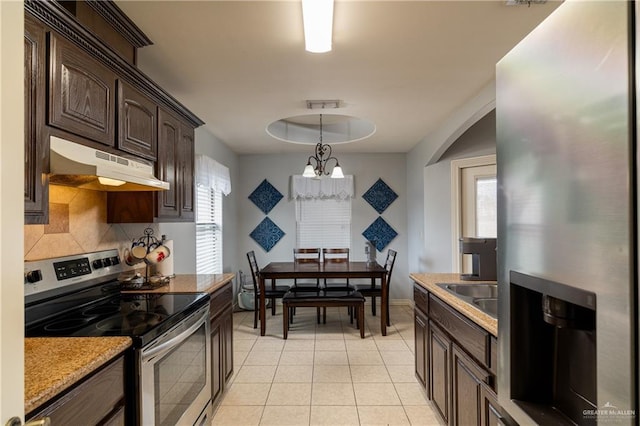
{"points": [[322, 298]]}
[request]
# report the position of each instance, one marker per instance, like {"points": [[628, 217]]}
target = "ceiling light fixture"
{"points": [[317, 16], [320, 168]]}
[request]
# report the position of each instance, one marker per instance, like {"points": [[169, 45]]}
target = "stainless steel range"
{"points": [[167, 369]]}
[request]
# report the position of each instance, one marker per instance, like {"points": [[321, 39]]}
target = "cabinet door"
{"points": [[116, 419], [439, 369], [186, 177], [81, 93], [137, 117], [467, 378], [420, 322], [36, 147], [490, 412], [97, 399], [168, 203], [217, 373], [227, 327]]}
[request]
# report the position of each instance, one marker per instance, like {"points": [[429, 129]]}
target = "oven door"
{"points": [[176, 376]]}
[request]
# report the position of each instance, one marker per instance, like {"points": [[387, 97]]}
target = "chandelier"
{"points": [[319, 167]]}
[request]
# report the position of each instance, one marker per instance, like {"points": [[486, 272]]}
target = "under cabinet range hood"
{"points": [[76, 165]]}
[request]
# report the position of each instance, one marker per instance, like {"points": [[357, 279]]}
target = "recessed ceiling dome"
{"points": [[336, 128]]}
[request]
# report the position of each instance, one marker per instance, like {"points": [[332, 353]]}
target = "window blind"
{"points": [[323, 223], [208, 230]]}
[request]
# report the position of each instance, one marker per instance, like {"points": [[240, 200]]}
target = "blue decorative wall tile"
{"points": [[380, 196], [380, 233], [265, 196], [267, 234]]}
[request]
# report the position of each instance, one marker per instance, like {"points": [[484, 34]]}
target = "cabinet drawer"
{"points": [[421, 298], [91, 401], [220, 300], [473, 338]]}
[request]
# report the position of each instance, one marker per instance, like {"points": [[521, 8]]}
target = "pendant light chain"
{"points": [[320, 162]]}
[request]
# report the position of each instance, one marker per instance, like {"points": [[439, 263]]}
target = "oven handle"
{"points": [[175, 340]]}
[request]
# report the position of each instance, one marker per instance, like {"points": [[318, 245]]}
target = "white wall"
{"points": [[427, 152], [479, 140], [366, 169]]}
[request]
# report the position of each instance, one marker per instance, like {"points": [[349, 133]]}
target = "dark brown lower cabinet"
{"points": [[456, 361], [217, 381], [97, 400], [221, 315], [420, 327], [490, 411], [227, 336], [439, 370], [467, 378]]}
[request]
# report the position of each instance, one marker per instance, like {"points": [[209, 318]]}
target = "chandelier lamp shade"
{"points": [[317, 164], [317, 16]]}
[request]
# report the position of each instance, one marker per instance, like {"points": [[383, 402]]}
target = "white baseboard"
{"points": [[401, 302]]}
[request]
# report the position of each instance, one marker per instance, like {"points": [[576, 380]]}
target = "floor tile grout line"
{"points": [[403, 318]]}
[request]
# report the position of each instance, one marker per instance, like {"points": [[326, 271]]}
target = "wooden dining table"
{"points": [[292, 270]]}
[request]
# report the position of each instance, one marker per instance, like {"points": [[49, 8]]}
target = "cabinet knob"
{"points": [[16, 421]]}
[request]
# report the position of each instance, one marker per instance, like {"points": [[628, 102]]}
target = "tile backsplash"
{"points": [[78, 224]]}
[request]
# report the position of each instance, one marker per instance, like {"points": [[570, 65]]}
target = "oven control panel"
{"points": [[72, 268], [50, 277]]}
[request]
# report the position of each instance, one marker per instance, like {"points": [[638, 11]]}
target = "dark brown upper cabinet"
{"points": [[187, 182], [175, 165], [36, 149], [137, 118], [79, 85], [82, 93], [167, 164]]}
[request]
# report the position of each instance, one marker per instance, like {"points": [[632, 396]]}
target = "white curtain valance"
{"points": [[211, 174], [302, 187]]}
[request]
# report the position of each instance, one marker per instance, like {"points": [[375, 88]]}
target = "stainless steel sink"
{"points": [[481, 295], [474, 290], [487, 305]]}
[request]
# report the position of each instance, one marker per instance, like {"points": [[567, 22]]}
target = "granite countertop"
{"points": [[191, 283], [54, 364], [430, 281]]}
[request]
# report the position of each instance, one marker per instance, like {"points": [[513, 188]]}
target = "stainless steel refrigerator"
{"points": [[567, 218]]}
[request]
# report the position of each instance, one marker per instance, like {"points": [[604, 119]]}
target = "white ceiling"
{"points": [[404, 65]]}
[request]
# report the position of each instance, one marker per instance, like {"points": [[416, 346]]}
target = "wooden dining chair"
{"points": [[374, 290], [270, 292], [336, 255], [306, 255]]}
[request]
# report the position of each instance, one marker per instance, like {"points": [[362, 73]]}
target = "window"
{"points": [[486, 206], [323, 223], [473, 203], [478, 201], [208, 230], [212, 180]]}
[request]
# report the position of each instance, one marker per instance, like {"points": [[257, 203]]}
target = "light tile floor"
{"points": [[325, 374]]}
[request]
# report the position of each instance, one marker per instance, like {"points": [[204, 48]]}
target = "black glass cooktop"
{"points": [[104, 311]]}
